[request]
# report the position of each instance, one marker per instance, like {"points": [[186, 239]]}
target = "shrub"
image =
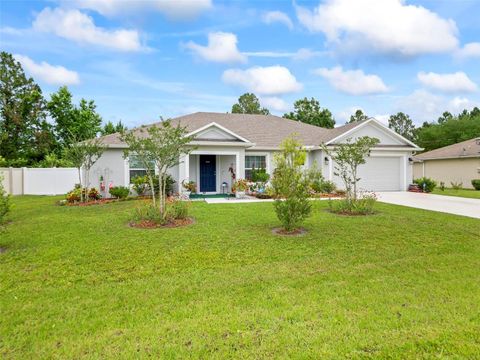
{"points": [[140, 184], [327, 187], [455, 185], [177, 209], [476, 184], [4, 202], [74, 195], [240, 185], [168, 186], [148, 212], [189, 186], [363, 205], [93, 194], [260, 175], [427, 184], [119, 192], [316, 178], [442, 186]]}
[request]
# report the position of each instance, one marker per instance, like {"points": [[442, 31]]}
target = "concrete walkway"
{"points": [[447, 204]]}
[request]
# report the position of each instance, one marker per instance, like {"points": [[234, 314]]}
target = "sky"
{"points": [[143, 59]]}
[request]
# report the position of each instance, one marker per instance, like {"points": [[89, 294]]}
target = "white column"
{"points": [[183, 171]]}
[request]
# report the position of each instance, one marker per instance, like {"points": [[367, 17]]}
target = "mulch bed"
{"points": [[348, 213], [146, 224], [283, 232], [93, 202]]}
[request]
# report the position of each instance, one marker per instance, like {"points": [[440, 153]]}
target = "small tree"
{"points": [[290, 185], [161, 145], [347, 158], [84, 155], [141, 147]]}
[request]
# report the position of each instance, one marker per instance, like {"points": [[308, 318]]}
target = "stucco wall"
{"points": [[449, 170], [113, 167]]}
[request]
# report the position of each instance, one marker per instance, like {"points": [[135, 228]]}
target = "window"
{"points": [[136, 167], [257, 162]]}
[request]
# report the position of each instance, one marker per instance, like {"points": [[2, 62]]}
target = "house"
{"points": [[458, 163], [243, 142]]}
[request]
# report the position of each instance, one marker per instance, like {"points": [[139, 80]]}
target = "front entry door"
{"points": [[208, 173]]}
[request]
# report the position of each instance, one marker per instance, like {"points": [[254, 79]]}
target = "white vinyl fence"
{"points": [[39, 181]]}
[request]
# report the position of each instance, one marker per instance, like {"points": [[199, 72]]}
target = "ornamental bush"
{"points": [[119, 192], [426, 184], [476, 184], [4, 202]]}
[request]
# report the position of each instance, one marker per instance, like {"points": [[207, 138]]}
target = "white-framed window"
{"points": [[136, 167], [254, 161]]}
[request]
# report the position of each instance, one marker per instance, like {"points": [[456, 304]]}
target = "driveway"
{"points": [[447, 204]]}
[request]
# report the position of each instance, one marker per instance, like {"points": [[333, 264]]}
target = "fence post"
{"points": [[24, 179], [10, 180]]}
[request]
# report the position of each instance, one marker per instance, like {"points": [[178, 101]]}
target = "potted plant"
{"points": [[239, 188], [190, 187]]}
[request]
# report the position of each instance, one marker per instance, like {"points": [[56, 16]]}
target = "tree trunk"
{"points": [[161, 195], [80, 183], [354, 184], [152, 188]]}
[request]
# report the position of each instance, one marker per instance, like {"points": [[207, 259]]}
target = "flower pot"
{"points": [[240, 194]]}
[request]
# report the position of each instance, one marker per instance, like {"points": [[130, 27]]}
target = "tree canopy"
{"points": [[357, 117], [403, 125], [248, 103], [449, 129], [309, 111], [24, 132], [111, 128]]}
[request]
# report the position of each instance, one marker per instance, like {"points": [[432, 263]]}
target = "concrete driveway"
{"points": [[447, 204]]}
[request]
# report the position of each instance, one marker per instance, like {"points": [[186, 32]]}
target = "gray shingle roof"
{"points": [[266, 131], [468, 148]]}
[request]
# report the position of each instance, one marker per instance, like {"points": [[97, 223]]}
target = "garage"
{"points": [[380, 173]]}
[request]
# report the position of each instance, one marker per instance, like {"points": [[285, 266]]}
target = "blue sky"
{"points": [[144, 59]]}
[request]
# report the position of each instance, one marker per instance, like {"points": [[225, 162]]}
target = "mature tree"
{"points": [[163, 145], [83, 155], [347, 157], [310, 112], [357, 117], [403, 125], [111, 128], [291, 185], [450, 129], [24, 133], [80, 122], [248, 104]]}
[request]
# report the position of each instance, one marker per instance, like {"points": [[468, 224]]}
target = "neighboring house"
{"points": [[244, 142], [459, 163]]}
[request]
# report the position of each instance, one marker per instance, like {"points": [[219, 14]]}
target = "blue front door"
{"points": [[208, 178]]}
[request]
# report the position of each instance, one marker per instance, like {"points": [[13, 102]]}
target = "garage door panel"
{"points": [[379, 173]]}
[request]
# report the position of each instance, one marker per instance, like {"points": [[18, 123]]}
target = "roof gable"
{"points": [[216, 132]]}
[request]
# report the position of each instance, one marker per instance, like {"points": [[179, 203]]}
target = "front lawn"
{"points": [[76, 282], [466, 193]]}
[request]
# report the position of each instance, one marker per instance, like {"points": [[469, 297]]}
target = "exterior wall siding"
{"points": [[449, 170]]}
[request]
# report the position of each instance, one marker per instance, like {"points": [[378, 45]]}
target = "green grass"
{"points": [[466, 193], [78, 283]]}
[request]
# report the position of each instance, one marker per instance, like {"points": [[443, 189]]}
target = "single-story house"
{"points": [[458, 163], [244, 142]]}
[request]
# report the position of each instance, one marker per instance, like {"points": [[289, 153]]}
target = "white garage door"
{"points": [[380, 174]]}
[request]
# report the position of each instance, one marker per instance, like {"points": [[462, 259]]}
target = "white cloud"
{"points": [[455, 82], [51, 74], [353, 82], [177, 9], [77, 26], [387, 26], [300, 54], [277, 16], [470, 50], [269, 80], [422, 105], [275, 103], [222, 47]]}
